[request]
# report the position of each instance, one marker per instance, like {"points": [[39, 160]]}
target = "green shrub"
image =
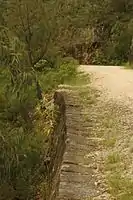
{"points": [[23, 154], [65, 72], [24, 149]]}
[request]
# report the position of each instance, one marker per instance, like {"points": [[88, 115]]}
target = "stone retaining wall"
{"points": [[57, 146]]}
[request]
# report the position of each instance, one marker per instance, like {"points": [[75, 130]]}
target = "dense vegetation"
{"points": [[36, 39], [106, 31]]}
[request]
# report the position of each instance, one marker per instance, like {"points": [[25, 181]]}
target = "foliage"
{"points": [[23, 155], [25, 131], [97, 32], [31, 33], [37, 42], [65, 72], [109, 24]]}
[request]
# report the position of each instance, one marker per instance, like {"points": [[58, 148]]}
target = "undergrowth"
{"points": [[26, 125]]}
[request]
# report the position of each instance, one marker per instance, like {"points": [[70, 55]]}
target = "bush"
{"points": [[24, 149], [23, 156], [65, 72]]}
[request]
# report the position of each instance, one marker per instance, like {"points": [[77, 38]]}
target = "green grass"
{"points": [[113, 162], [113, 158], [120, 187], [128, 66], [80, 80]]}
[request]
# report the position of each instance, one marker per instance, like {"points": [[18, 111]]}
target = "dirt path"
{"points": [[98, 162], [116, 86], [116, 81]]}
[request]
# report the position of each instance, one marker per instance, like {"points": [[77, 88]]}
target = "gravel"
{"points": [[115, 108]]}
